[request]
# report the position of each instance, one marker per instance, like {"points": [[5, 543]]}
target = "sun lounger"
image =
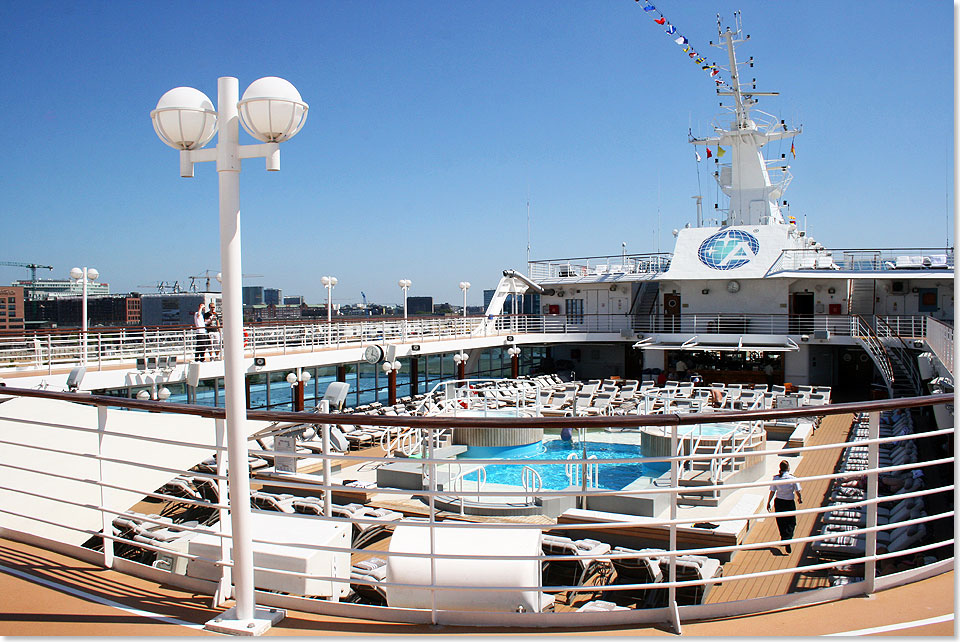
{"points": [[572, 572], [638, 567], [366, 578]]}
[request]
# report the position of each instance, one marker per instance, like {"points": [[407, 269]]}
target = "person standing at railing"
{"points": [[200, 333], [781, 495], [213, 331]]}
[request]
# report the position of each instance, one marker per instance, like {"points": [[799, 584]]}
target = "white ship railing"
{"points": [[939, 337], [24, 485], [44, 351], [865, 259], [620, 264]]}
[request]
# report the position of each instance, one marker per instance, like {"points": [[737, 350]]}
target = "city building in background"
{"points": [[11, 308], [419, 305], [252, 295], [174, 309], [52, 288], [273, 296]]}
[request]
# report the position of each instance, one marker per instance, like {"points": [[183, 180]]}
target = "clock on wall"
{"points": [[373, 354]]}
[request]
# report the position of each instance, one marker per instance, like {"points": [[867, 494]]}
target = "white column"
{"points": [[228, 171]]}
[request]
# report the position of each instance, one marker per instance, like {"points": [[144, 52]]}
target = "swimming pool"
{"points": [[611, 476]]}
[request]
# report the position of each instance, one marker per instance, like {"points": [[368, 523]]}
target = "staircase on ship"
{"points": [[699, 473], [892, 354], [643, 310]]}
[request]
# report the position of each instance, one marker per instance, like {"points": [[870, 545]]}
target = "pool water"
{"points": [[554, 477]]}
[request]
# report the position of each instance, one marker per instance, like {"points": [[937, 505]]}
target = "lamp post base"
{"points": [[263, 619]]}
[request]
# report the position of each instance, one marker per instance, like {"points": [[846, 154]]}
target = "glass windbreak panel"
{"points": [[322, 377], [448, 368], [281, 393], [403, 378], [206, 393], [257, 384], [367, 380]]}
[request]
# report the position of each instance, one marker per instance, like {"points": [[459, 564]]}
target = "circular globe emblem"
{"points": [[728, 249]]}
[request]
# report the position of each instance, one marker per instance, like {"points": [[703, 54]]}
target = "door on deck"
{"points": [[671, 312], [801, 312]]}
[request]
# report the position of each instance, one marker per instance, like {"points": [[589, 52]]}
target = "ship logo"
{"points": [[728, 249]]}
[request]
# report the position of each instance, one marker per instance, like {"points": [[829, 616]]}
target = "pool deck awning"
{"points": [[720, 344]]}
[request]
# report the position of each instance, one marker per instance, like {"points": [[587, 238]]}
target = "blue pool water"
{"points": [[612, 476]]}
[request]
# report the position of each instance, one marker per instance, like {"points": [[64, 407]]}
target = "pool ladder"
{"points": [[575, 472]]}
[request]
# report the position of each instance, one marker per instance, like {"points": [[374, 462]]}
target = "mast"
{"points": [[746, 176]]}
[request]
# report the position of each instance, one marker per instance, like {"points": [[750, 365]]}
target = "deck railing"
{"points": [[433, 582], [864, 259], [44, 351]]}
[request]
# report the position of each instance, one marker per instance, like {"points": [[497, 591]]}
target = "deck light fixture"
{"points": [[464, 285], [84, 275], [329, 282], [185, 119], [404, 285], [163, 394]]}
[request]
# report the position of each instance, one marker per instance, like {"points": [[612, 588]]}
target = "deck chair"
{"points": [[282, 503], [572, 572], [690, 568], [638, 567], [366, 578]]}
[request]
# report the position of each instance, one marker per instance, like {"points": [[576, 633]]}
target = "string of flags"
{"points": [[684, 43]]}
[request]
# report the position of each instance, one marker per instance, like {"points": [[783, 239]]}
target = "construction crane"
{"points": [[206, 275], [364, 298], [33, 267]]}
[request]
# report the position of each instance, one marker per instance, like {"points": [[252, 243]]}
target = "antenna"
{"points": [[528, 232]]}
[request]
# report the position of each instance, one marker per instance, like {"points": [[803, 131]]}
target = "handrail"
{"points": [[529, 491], [913, 372], [874, 347]]}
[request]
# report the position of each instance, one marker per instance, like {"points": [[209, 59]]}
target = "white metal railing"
{"points": [[864, 260], [939, 336], [594, 265], [44, 351], [116, 544], [862, 331]]}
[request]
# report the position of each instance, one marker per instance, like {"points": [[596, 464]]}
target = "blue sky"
{"points": [[432, 123]]}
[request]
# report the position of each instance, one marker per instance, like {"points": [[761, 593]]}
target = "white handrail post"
{"points": [[674, 481], [432, 527], [225, 585], [106, 518], [327, 474], [873, 487]]}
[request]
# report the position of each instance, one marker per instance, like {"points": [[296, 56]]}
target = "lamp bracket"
{"points": [[268, 151]]}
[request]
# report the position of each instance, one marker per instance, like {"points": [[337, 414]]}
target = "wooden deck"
{"points": [[833, 429]]}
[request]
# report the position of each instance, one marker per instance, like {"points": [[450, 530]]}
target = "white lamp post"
{"points": [[464, 285], [271, 111], [404, 285], [329, 282], [84, 275]]}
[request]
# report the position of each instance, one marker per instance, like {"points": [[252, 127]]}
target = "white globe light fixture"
{"points": [[305, 376], [143, 395], [387, 367], [271, 110], [163, 394], [84, 275], [185, 119], [292, 378]]}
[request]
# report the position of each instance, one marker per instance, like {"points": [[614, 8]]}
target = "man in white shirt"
{"points": [[200, 332], [781, 495]]}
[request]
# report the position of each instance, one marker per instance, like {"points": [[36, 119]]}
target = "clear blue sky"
{"points": [[431, 122]]}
